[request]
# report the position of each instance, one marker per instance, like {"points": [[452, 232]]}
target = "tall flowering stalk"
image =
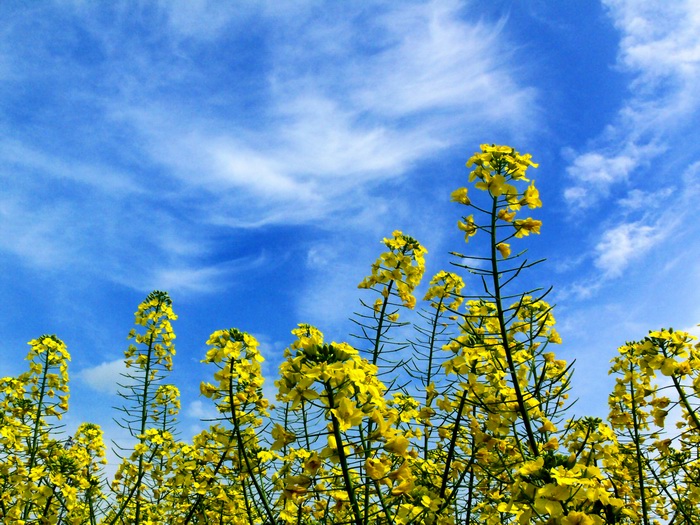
{"points": [[151, 356], [41, 476], [445, 299], [503, 423], [394, 277], [334, 379], [234, 448]]}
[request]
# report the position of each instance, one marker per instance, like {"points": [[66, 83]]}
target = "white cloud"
{"points": [[338, 117], [343, 102], [202, 19], [580, 289], [437, 61], [197, 409], [202, 279], [596, 172], [660, 39], [623, 244], [105, 376], [646, 219], [38, 232], [637, 158], [596, 168], [638, 199], [575, 194], [38, 164], [693, 330], [660, 46]]}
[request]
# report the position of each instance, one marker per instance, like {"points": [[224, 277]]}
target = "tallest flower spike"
{"points": [[497, 169], [502, 159]]}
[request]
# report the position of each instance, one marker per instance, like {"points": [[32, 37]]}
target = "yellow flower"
{"points": [[468, 227], [531, 198], [547, 426], [506, 215], [347, 414], [376, 468], [668, 366], [502, 159], [504, 249], [429, 503], [460, 195], [397, 445], [403, 265], [554, 337], [295, 486], [531, 467], [405, 480], [495, 185], [525, 227], [281, 436]]}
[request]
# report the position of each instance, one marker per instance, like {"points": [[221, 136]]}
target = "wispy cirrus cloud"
{"points": [[639, 166], [337, 101], [597, 171], [645, 223], [346, 123], [660, 48], [637, 199]]}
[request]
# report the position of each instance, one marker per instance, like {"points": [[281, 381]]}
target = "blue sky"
{"points": [[248, 158]]}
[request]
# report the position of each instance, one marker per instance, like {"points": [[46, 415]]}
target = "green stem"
{"points": [[637, 445], [340, 447], [681, 393], [431, 349], [504, 335], [377, 339], [242, 449], [34, 447], [453, 444], [200, 497], [130, 496], [684, 399], [144, 417]]}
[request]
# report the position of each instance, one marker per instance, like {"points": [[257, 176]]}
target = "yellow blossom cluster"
{"points": [[155, 315], [401, 267], [498, 169]]}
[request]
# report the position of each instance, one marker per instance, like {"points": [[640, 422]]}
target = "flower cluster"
{"points": [[402, 266], [154, 314], [498, 169]]}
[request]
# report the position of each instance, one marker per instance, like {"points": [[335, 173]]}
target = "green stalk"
{"points": [[341, 456], [453, 444], [242, 452], [504, 336], [377, 339], [637, 438], [375, 358], [684, 399], [431, 349], [144, 417], [131, 493], [35, 432]]}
